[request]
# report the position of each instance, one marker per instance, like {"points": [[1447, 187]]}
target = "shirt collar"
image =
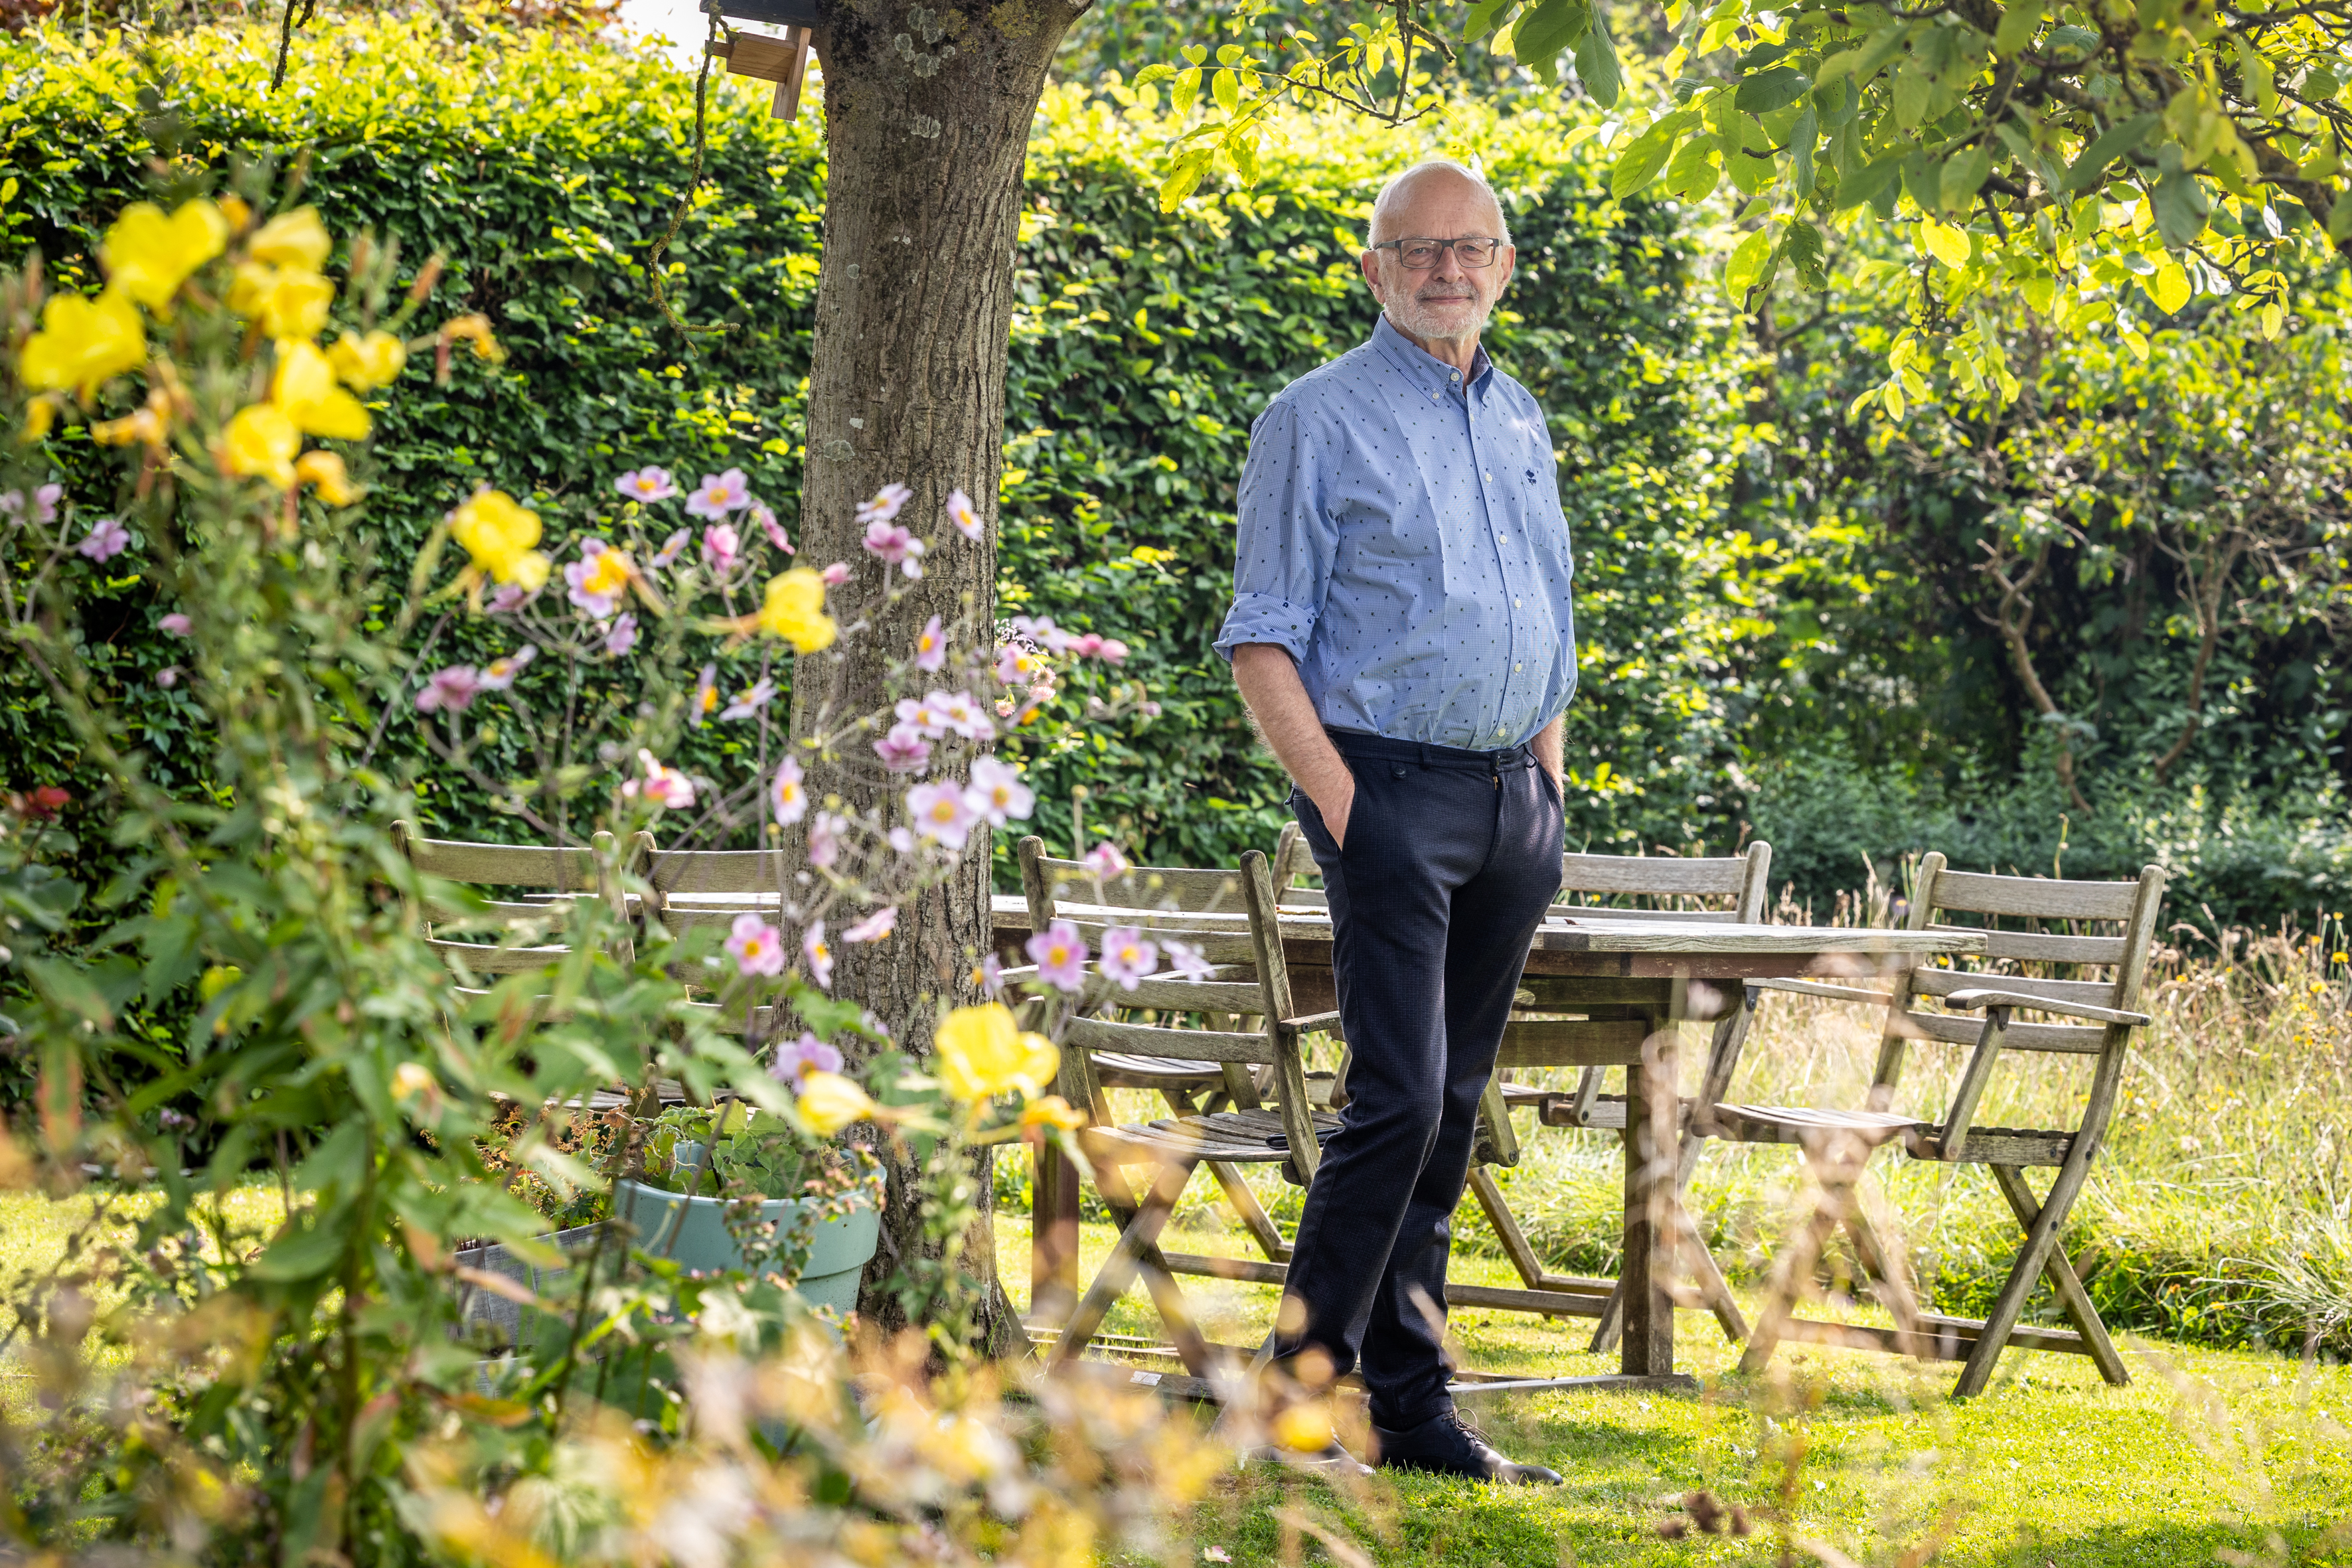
{"points": [[1424, 369]]}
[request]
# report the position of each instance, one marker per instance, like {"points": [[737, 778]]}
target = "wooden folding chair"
{"points": [[560, 873], [1202, 907], [1715, 889], [1837, 1144], [1251, 981]]}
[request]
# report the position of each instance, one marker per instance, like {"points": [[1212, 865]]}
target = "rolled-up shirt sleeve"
{"points": [[1282, 561]]}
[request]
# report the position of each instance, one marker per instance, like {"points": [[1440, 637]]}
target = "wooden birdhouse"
{"points": [[782, 60]]}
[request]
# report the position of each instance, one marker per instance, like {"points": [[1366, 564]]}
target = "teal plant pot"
{"points": [[692, 1232]]}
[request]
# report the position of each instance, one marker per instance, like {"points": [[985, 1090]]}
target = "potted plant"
{"points": [[729, 1188]]}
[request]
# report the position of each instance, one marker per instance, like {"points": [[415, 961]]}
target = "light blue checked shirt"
{"points": [[1401, 536]]}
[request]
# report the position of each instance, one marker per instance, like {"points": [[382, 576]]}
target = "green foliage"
{"points": [[2031, 149], [1778, 610]]}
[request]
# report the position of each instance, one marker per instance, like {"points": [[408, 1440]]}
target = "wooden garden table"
{"points": [[1674, 970]]}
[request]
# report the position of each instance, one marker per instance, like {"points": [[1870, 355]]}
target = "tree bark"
{"points": [[928, 110]]}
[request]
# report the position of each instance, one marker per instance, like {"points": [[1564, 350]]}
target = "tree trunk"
{"points": [[927, 111]]}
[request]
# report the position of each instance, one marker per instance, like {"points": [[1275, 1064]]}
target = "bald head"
{"points": [[1439, 183]]}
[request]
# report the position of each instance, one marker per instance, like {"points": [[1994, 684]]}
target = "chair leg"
{"points": [[1835, 1175], [1138, 1240], [2063, 1281], [2033, 1260]]}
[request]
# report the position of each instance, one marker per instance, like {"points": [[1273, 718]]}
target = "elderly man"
{"points": [[1401, 632]]}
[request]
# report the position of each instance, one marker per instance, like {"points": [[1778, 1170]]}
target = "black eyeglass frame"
{"points": [[1444, 245]]}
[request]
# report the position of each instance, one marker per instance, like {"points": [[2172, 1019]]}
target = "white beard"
{"points": [[1422, 320]]}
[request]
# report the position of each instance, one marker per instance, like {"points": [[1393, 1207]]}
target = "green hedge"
{"points": [[1741, 612], [543, 167]]}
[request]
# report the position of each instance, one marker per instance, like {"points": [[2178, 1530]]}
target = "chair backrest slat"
{"points": [[1155, 1040], [752, 872], [564, 870], [1160, 888], [2045, 947], [2038, 898], [1962, 1029], [1740, 879]]}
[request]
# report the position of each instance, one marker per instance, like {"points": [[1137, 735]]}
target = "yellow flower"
{"points": [[149, 424], [984, 1053], [1053, 1111], [304, 387], [795, 611], [39, 415], [260, 443], [367, 363], [325, 471], [830, 1102], [1304, 1428], [149, 256], [83, 343], [477, 329], [296, 239], [498, 535], [411, 1078], [289, 303]]}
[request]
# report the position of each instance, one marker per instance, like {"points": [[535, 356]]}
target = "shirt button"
{"points": [[1514, 604]]}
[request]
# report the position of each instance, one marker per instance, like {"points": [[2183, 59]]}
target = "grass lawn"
{"points": [[2209, 1456]]}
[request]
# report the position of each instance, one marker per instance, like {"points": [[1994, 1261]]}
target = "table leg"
{"points": [[1648, 1348]]}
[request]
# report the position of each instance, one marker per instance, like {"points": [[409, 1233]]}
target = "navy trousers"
{"points": [[1452, 859]]}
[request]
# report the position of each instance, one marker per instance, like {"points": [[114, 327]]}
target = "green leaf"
{"points": [[2169, 288], [1638, 164], [1913, 88], [1158, 70], [1484, 17], [1693, 174], [1745, 269], [2018, 26], [1227, 90], [1865, 183], [303, 1254], [1963, 177], [1596, 63], [1770, 90], [2112, 144], [1801, 137], [1863, 63], [2081, 41], [1183, 178], [1805, 250], [1185, 93], [2181, 205], [2339, 219], [67, 988], [1548, 27]]}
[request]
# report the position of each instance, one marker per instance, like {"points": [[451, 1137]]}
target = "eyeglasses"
{"points": [[1420, 254]]}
